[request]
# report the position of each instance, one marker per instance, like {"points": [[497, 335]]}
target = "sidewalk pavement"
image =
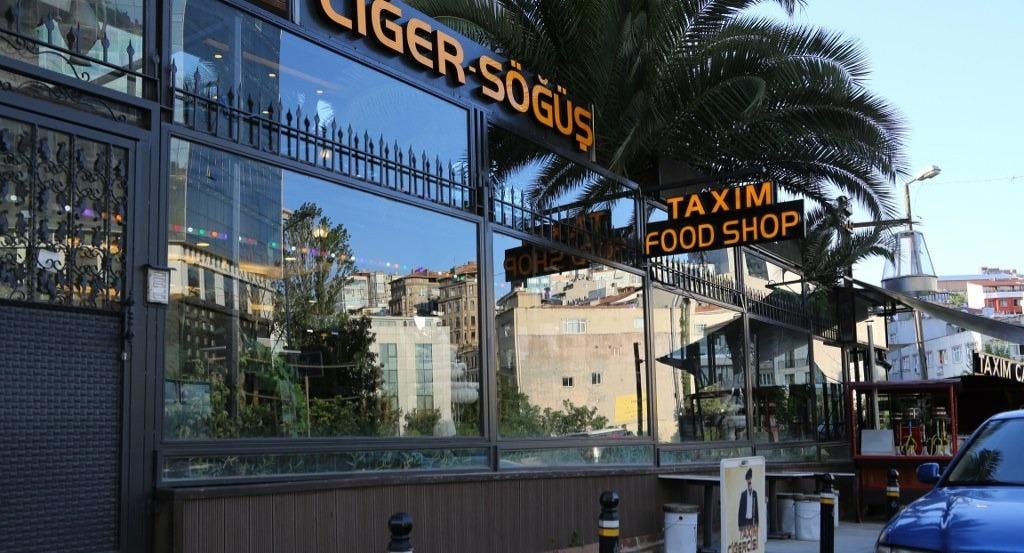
{"points": [[850, 538]]}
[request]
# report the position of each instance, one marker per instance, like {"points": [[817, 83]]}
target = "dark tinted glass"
{"points": [[303, 308]]}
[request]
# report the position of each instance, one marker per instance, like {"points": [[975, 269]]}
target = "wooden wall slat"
{"points": [[503, 516]]}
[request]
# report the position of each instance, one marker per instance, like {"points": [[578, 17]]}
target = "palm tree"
{"points": [[699, 83], [830, 247]]}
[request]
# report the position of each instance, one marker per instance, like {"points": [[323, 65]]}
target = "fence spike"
{"points": [[104, 41]]}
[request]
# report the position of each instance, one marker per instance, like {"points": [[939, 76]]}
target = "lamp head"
{"points": [[931, 171]]}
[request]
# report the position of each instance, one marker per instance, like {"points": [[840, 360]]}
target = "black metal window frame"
{"points": [[482, 216]]}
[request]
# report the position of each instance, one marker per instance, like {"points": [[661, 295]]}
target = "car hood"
{"points": [[961, 519]]}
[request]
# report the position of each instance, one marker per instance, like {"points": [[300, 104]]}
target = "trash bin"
{"points": [[787, 512], [681, 527], [808, 517]]}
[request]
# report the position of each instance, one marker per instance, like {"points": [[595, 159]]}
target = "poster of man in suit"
{"points": [[743, 505]]}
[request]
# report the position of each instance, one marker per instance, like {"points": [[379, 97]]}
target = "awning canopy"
{"points": [[990, 327]]}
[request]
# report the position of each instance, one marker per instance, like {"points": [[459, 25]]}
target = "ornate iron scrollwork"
{"points": [[63, 207]]}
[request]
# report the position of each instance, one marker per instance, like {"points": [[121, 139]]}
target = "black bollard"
{"points": [[892, 494], [828, 505], [608, 523], [400, 525]]}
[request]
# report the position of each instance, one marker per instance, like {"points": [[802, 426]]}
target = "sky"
{"points": [[955, 70]]}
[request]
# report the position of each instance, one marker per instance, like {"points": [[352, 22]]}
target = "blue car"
{"points": [[977, 505]]}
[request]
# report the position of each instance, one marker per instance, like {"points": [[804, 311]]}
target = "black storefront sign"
{"points": [[1000, 367], [532, 261], [725, 228]]}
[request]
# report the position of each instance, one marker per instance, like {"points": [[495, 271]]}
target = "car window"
{"points": [[994, 456]]}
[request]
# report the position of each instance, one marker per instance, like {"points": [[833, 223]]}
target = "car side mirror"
{"points": [[928, 473]]}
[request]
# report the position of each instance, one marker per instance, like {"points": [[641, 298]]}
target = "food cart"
{"points": [[918, 422]]}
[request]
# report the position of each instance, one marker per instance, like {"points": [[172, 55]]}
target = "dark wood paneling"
{"points": [[511, 516]]}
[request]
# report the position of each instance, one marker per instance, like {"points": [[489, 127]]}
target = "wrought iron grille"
{"points": [[63, 209], [779, 305], [269, 127], [39, 39], [572, 225], [696, 278], [823, 323]]}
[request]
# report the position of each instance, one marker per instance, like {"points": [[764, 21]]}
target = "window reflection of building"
{"points": [[419, 361], [457, 303], [784, 407], [700, 380], [549, 350], [213, 239], [416, 293], [229, 301], [831, 400]]}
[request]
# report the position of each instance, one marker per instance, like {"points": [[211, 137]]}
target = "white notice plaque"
{"points": [[158, 285], [744, 505]]}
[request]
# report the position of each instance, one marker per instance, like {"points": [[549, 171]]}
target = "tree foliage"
{"points": [[518, 417], [701, 83]]}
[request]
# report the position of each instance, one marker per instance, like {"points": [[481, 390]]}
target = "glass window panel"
{"points": [[551, 196], [304, 352], [176, 469], [835, 452], [576, 456], [783, 395], [831, 396], [700, 370], [766, 277], [806, 453], [703, 455], [233, 52], [105, 30], [558, 329]]}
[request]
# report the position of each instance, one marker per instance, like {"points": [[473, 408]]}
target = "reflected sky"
{"points": [[386, 235], [274, 64]]}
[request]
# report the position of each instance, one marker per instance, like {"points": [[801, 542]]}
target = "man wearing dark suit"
{"points": [[748, 504]]}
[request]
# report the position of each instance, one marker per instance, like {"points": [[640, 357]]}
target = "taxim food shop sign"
{"points": [[443, 54], [734, 216]]}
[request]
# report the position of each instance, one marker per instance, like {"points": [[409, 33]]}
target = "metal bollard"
{"points": [[608, 523], [892, 494], [828, 504], [400, 525]]}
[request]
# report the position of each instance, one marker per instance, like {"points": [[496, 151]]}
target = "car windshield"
{"points": [[994, 457]]}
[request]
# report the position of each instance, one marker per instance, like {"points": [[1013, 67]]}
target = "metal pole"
{"points": [[639, 390], [919, 331], [906, 199], [827, 543], [608, 523], [871, 376]]}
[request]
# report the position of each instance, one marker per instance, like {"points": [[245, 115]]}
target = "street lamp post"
{"points": [[928, 173], [915, 275]]}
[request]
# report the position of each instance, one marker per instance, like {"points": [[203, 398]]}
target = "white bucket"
{"points": [[787, 513], [680, 528], [808, 518]]}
